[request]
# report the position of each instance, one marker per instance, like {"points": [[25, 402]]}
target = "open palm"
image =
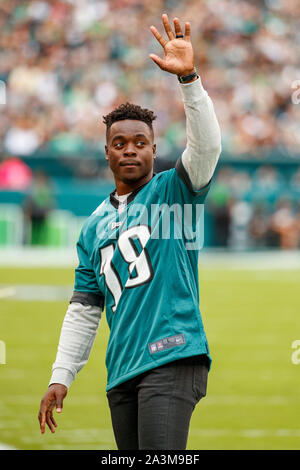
{"points": [[179, 54]]}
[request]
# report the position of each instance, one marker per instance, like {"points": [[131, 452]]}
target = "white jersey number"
{"points": [[139, 265]]}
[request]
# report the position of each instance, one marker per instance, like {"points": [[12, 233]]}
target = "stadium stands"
{"points": [[66, 63]]}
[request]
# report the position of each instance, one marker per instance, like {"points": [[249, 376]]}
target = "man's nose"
{"points": [[130, 149]]}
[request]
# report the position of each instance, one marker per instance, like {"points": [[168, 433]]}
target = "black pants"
{"points": [[153, 410]]}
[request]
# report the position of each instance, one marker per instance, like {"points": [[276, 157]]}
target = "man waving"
{"points": [[145, 275]]}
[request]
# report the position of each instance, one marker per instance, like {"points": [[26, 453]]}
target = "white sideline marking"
{"points": [[6, 447], [7, 292], [87, 436], [213, 258], [271, 400], [247, 260], [247, 433], [36, 292], [222, 400], [38, 257]]}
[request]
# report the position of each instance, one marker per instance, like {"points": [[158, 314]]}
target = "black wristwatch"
{"points": [[187, 78]]}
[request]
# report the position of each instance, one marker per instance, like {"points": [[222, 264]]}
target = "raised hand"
{"points": [[179, 55]]}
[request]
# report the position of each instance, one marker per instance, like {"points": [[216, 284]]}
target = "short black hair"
{"points": [[129, 111]]}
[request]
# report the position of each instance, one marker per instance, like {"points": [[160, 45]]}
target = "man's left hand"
{"points": [[179, 55]]}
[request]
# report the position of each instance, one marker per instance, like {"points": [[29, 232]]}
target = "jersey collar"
{"points": [[115, 202]]}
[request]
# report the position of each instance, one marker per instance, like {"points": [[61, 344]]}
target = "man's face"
{"points": [[130, 150]]}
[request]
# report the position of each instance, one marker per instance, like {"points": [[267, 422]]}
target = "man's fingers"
{"points": [[169, 31], [178, 30], [188, 32], [167, 26], [49, 422], [46, 416], [42, 417], [44, 413], [158, 36], [160, 62], [53, 420], [42, 420], [53, 398]]}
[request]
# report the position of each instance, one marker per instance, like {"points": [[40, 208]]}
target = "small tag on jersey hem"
{"points": [[166, 343]]}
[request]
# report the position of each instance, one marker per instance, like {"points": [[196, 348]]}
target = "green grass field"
{"points": [[251, 319]]}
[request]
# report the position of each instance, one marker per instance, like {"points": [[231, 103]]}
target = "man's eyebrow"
{"points": [[120, 136], [141, 135]]}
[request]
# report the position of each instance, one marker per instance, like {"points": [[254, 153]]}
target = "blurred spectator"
{"points": [[37, 206], [22, 138], [219, 207], [14, 174], [267, 184], [240, 216], [258, 226], [285, 223], [295, 181]]}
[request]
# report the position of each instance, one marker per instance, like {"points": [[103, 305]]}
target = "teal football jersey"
{"points": [[140, 260]]}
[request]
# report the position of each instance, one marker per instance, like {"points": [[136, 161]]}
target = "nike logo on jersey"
{"points": [[115, 225]]}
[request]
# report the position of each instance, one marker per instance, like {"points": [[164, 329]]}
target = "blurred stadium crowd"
{"points": [[67, 63], [255, 210]]}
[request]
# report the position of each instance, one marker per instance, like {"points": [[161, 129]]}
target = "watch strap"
{"points": [[187, 78]]}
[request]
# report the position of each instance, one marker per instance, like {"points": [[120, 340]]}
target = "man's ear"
{"points": [[106, 153], [154, 150]]}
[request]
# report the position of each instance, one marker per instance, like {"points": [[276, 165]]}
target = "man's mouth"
{"points": [[129, 164]]}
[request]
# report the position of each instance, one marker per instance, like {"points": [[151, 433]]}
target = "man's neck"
{"points": [[123, 188]]}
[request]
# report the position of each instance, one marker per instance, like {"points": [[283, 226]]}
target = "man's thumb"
{"points": [[160, 62], [59, 404]]}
